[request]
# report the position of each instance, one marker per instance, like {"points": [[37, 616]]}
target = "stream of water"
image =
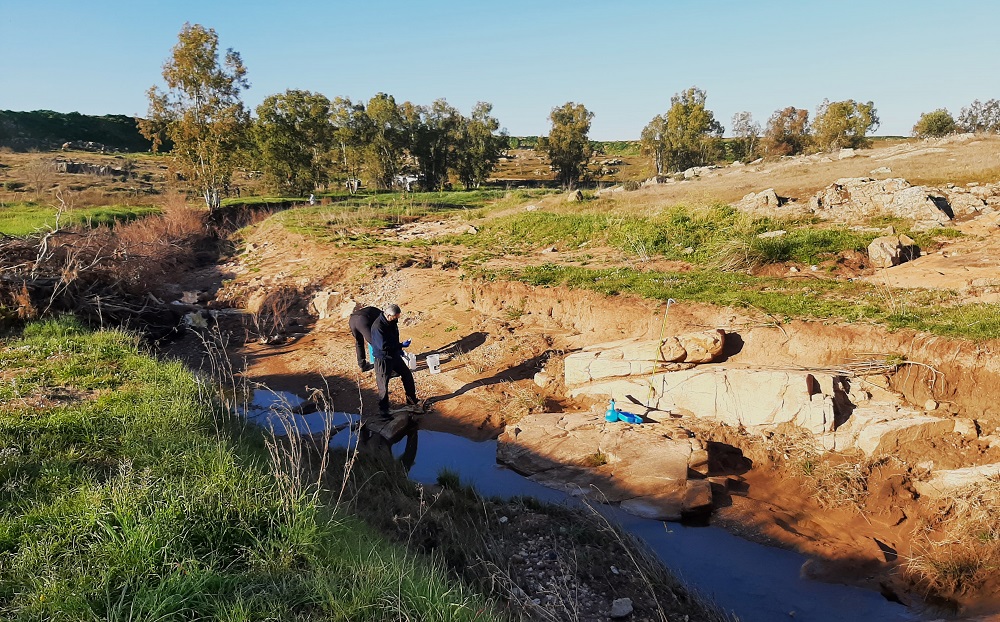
{"points": [[756, 583]]}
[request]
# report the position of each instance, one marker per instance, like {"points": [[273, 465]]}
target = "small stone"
{"points": [[614, 570], [793, 269], [930, 405], [621, 607]]}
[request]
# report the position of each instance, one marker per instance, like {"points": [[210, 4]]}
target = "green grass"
{"points": [[124, 499], [20, 219], [354, 219], [716, 236], [783, 299]]}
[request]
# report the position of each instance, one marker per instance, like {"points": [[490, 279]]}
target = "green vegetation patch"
{"points": [[354, 219], [124, 498], [716, 235], [21, 219], [783, 299]]}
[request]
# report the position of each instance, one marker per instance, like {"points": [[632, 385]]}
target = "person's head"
{"points": [[392, 312]]}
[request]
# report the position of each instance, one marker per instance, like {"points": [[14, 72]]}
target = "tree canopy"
{"points": [[688, 135], [294, 138], [787, 132], [844, 124], [567, 145], [201, 112], [935, 124], [981, 117]]}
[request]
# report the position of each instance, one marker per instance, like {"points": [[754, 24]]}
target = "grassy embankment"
{"points": [[721, 245], [125, 497], [20, 219]]}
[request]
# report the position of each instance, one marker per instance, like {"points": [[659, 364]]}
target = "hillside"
{"points": [[885, 373]]}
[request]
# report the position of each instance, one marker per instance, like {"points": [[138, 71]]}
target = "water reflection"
{"points": [[757, 583]]}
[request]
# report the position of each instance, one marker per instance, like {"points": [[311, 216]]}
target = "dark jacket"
{"points": [[362, 320], [385, 339]]}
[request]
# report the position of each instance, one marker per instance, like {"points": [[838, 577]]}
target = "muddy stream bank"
{"points": [[756, 583]]}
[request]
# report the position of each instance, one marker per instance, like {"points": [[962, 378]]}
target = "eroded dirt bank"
{"points": [[494, 337]]}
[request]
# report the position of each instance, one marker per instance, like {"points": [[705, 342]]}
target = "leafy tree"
{"points": [[843, 124], [434, 132], [935, 124], [294, 137], [479, 146], [787, 132], [386, 144], [746, 134], [981, 117], [352, 131], [567, 145], [688, 135], [653, 142], [201, 112]]}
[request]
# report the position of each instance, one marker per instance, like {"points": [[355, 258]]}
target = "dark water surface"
{"points": [[757, 583]]}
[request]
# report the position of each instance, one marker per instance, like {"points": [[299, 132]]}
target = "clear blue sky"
{"points": [[622, 59]]}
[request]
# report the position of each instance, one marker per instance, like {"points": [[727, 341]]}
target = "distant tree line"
{"points": [[47, 129], [978, 117], [688, 134], [302, 140]]}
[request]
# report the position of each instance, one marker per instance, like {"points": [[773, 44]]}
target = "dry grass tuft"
{"points": [[959, 546]]}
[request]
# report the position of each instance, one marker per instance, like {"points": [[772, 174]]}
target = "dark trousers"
{"points": [[362, 333], [385, 369]]}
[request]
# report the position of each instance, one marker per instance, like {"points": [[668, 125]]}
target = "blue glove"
{"points": [[406, 344]]}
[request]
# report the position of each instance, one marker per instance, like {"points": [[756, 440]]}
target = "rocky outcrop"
{"points": [[851, 199], [892, 250], [734, 396], [767, 202], [326, 304], [653, 470], [830, 405], [631, 357]]}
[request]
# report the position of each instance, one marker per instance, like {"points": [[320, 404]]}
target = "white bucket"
{"points": [[434, 363], [411, 359]]}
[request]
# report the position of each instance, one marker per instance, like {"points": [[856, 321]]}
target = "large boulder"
{"points": [[325, 304], [892, 250]]}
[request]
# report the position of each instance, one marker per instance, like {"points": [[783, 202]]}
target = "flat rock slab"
{"points": [[585, 455], [947, 483]]}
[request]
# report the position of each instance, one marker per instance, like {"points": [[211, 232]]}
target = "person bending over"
{"points": [[361, 327], [389, 359]]}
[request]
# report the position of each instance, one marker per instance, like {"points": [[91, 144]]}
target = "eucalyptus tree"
{"points": [[294, 136], [844, 124], [435, 140], [746, 133], [653, 142], [480, 146], [200, 112], [352, 131], [385, 147], [787, 132], [567, 145]]}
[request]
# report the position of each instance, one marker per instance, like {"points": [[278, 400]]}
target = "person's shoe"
{"points": [[367, 366], [385, 416]]}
